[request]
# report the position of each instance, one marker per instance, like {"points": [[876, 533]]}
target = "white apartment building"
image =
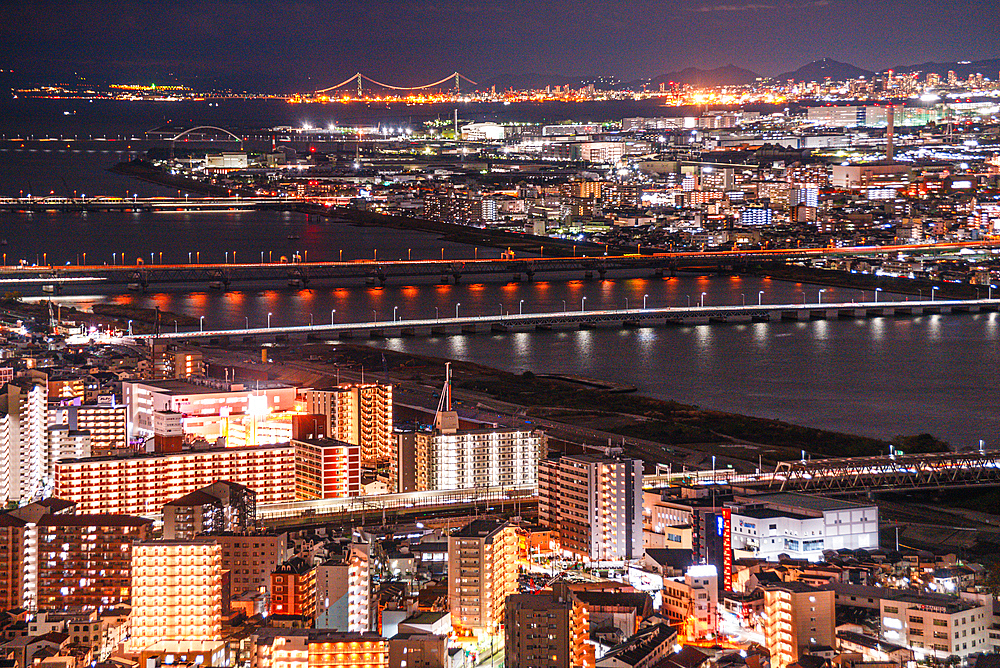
{"points": [[801, 526], [344, 595], [23, 440], [483, 458], [693, 601]]}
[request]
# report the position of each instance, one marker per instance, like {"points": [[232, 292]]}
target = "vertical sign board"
{"points": [[725, 529]]}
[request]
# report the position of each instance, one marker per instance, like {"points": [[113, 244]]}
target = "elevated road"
{"points": [[41, 204], [585, 319], [141, 276]]}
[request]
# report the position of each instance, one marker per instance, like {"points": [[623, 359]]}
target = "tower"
{"points": [[890, 123]]}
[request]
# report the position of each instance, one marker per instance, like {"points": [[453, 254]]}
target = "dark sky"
{"points": [[283, 44]]}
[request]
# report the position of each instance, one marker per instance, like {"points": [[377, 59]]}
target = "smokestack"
{"points": [[890, 123]]}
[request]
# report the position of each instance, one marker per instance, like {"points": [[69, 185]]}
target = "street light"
{"points": [[990, 292], [583, 302], [626, 303], [564, 305], [201, 323], [269, 320], [819, 296], [246, 321], [333, 313], [394, 309], [933, 290], [703, 299], [130, 328], [520, 307], [877, 290], [644, 298], [457, 304], [744, 298], [374, 316]]}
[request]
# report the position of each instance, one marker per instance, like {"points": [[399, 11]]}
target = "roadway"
{"points": [[582, 318]]}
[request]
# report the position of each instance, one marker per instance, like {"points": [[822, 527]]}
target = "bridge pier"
{"points": [[902, 312], [845, 313], [960, 309], [458, 277], [874, 313], [790, 315], [817, 315], [658, 273], [602, 272], [468, 329], [932, 309]]}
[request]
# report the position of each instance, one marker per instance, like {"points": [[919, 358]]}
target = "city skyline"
{"points": [[267, 45]]}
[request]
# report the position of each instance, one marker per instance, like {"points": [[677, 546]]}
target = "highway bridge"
{"points": [[140, 275], [42, 204], [585, 319]]}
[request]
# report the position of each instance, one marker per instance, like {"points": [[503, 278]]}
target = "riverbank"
{"points": [[918, 287]]}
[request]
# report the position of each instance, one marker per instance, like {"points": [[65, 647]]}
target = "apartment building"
{"points": [[547, 629], [142, 484], [482, 573], [796, 616], [595, 502], [360, 414]]}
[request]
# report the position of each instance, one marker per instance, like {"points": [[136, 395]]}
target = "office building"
{"points": [[360, 414], [595, 502], [143, 484], [222, 507], [801, 526], [326, 468], [547, 629], [85, 561], [796, 616], [482, 458], [936, 627], [482, 573], [177, 592], [210, 407]]}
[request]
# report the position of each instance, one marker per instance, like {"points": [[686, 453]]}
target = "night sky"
{"points": [[280, 45]]}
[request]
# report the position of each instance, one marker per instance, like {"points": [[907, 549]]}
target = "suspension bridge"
{"points": [[456, 78]]}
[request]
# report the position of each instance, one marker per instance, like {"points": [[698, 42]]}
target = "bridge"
{"points": [[855, 475], [455, 78], [141, 276], [584, 319], [42, 204]]}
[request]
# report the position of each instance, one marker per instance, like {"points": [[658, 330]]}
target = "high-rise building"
{"points": [[326, 468], [595, 502], [482, 458], [547, 629], [176, 592], [360, 414], [482, 573], [23, 439], [797, 615], [85, 561], [222, 507], [12, 542], [143, 484]]}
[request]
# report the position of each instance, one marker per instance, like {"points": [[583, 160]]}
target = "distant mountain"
{"points": [[988, 68], [728, 75], [821, 70]]}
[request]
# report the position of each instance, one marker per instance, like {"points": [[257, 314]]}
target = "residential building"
{"points": [[318, 648], [23, 439], [85, 561], [293, 590], [326, 468], [482, 458], [222, 507], [107, 424], [251, 558], [645, 649], [796, 616], [595, 502], [360, 414], [177, 592], [482, 573], [12, 543], [142, 484], [936, 627], [547, 629], [344, 596], [419, 650], [692, 602]]}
